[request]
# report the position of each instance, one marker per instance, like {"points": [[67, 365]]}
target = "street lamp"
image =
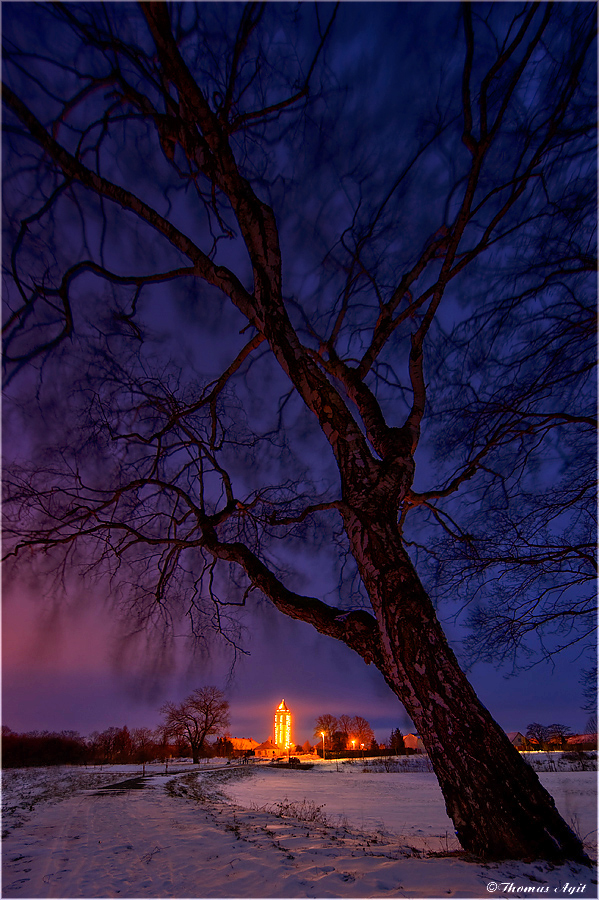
{"points": [[362, 747], [353, 746], [323, 756]]}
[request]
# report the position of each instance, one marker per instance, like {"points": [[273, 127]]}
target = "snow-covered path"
{"points": [[151, 843], [146, 844]]}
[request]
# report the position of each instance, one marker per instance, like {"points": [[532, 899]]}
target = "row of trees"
{"points": [[42, 748], [184, 731], [109, 747], [344, 732], [114, 745], [548, 737]]}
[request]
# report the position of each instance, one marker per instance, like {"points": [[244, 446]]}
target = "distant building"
{"points": [[582, 742], [243, 743], [243, 746], [282, 726], [413, 742], [517, 739], [267, 750]]}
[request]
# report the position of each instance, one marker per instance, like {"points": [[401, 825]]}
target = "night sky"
{"points": [[67, 665], [66, 676]]}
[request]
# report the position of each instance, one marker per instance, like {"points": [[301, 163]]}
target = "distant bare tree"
{"points": [[328, 724], [361, 731], [559, 734], [538, 734], [144, 746], [344, 724], [107, 746], [547, 737], [589, 693], [203, 713]]}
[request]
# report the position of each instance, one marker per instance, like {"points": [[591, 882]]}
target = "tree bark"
{"points": [[499, 807], [497, 803]]}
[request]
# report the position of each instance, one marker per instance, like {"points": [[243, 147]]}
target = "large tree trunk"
{"points": [[499, 807], [195, 752]]}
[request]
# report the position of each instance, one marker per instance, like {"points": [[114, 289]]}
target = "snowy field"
{"points": [[408, 804], [251, 831]]}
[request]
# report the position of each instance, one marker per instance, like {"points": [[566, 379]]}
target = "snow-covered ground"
{"points": [[249, 831], [409, 804]]}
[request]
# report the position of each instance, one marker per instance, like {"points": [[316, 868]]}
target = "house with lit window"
{"points": [[517, 739], [267, 750]]}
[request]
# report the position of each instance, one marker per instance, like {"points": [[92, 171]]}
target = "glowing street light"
{"points": [[353, 746], [323, 756]]}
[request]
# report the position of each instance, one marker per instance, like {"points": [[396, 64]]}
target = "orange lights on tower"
{"points": [[283, 726]]}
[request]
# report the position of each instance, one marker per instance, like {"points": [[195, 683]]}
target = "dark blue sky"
{"points": [[65, 667]]}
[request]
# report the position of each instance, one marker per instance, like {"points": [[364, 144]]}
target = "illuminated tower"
{"points": [[282, 726]]}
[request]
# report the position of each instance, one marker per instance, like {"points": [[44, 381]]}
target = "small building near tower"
{"points": [[243, 747], [283, 726], [267, 750]]}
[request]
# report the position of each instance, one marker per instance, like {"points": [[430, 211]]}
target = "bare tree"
{"points": [[144, 746], [559, 735], [361, 731], [179, 146], [521, 555], [539, 734], [203, 713], [344, 723], [327, 724], [343, 729], [588, 680], [549, 736], [591, 724]]}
